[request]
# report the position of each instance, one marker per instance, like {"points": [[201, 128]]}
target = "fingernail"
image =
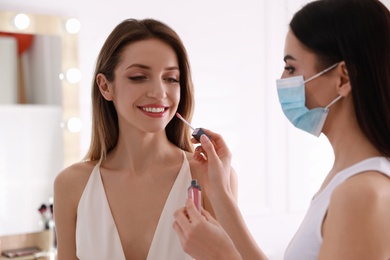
{"points": [[204, 138]]}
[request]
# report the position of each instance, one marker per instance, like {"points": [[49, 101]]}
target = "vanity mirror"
{"points": [[39, 111]]}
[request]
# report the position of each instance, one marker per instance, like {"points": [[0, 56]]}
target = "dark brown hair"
{"points": [[105, 129], [357, 32]]}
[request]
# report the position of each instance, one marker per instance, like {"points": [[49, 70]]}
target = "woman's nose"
{"points": [[157, 90]]}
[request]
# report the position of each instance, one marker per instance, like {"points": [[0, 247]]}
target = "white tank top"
{"points": [[97, 237], [306, 243]]}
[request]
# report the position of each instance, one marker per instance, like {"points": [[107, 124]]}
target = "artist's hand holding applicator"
{"points": [[193, 226], [215, 157]]}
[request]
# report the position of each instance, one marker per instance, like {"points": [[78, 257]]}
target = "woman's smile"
{"points": [[154, 110]]}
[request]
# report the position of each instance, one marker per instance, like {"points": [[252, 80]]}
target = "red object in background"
{"points": [[24, 40]]}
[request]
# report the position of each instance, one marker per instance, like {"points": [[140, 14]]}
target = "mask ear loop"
{"points": [[334, 101], [321, 72]]}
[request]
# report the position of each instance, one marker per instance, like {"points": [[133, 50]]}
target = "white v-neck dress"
{"points": [[97, 237], [306, 243]]}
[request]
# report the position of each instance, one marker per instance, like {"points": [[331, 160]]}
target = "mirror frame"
{"points": [[56, 25]]}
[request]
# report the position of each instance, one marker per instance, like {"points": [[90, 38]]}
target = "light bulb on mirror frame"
{"points": [[21, 21], [73, 75], [72, 25], [74, 124]]}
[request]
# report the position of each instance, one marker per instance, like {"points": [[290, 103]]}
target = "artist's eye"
{"points": [[290, 69]]}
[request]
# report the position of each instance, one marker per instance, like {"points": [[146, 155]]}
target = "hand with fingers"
{"points": [[193, 227], [215, 158], [226, 236]]}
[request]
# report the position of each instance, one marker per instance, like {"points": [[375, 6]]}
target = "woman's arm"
{"points": [[68, 187], [217, 181]]}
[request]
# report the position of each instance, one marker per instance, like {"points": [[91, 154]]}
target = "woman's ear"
{"points": [[105, 87], [344, 84]]}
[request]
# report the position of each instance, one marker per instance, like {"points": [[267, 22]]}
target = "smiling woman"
{"points": [[38, 50], [153, 74], [140, 159]]}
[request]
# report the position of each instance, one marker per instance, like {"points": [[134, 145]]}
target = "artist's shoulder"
{"points": [[359, 212], [371, 185], [368, 191]]}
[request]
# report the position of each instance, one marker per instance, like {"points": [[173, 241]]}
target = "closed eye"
{"points": [[137, 78]]}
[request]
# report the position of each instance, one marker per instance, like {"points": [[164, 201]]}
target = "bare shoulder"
{"points": [[357, 222], [369, 189], [358, 216], [72, 180], [365, 196], [76, 172]]}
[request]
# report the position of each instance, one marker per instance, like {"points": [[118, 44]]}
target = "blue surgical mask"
{"points": [[291, 92]]}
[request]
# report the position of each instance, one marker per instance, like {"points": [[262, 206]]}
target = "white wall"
{"points": [[236, 52], [26, 132]]}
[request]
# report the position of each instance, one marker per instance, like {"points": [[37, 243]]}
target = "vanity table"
{"points": [[43, 240]]}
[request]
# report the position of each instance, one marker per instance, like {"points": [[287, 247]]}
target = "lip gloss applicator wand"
{"points": [[197, 131]]}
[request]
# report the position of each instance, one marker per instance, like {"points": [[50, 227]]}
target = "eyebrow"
{"points": [[139, 66], [288, 57], [142, 66]]}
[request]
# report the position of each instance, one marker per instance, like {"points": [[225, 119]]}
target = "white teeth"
{"points": [[153, 109]]}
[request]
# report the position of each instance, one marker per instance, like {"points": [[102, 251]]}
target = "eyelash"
{"points": [[290, 69], [173, 80], [137, 78], [140, 78]]}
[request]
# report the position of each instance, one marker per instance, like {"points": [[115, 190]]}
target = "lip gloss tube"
{"points": [[195, 193]]}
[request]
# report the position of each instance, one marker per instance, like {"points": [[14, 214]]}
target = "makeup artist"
{"points": [[336, 81]]}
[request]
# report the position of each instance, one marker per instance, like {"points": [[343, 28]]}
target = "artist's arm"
{"points": [[207, 233]]}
